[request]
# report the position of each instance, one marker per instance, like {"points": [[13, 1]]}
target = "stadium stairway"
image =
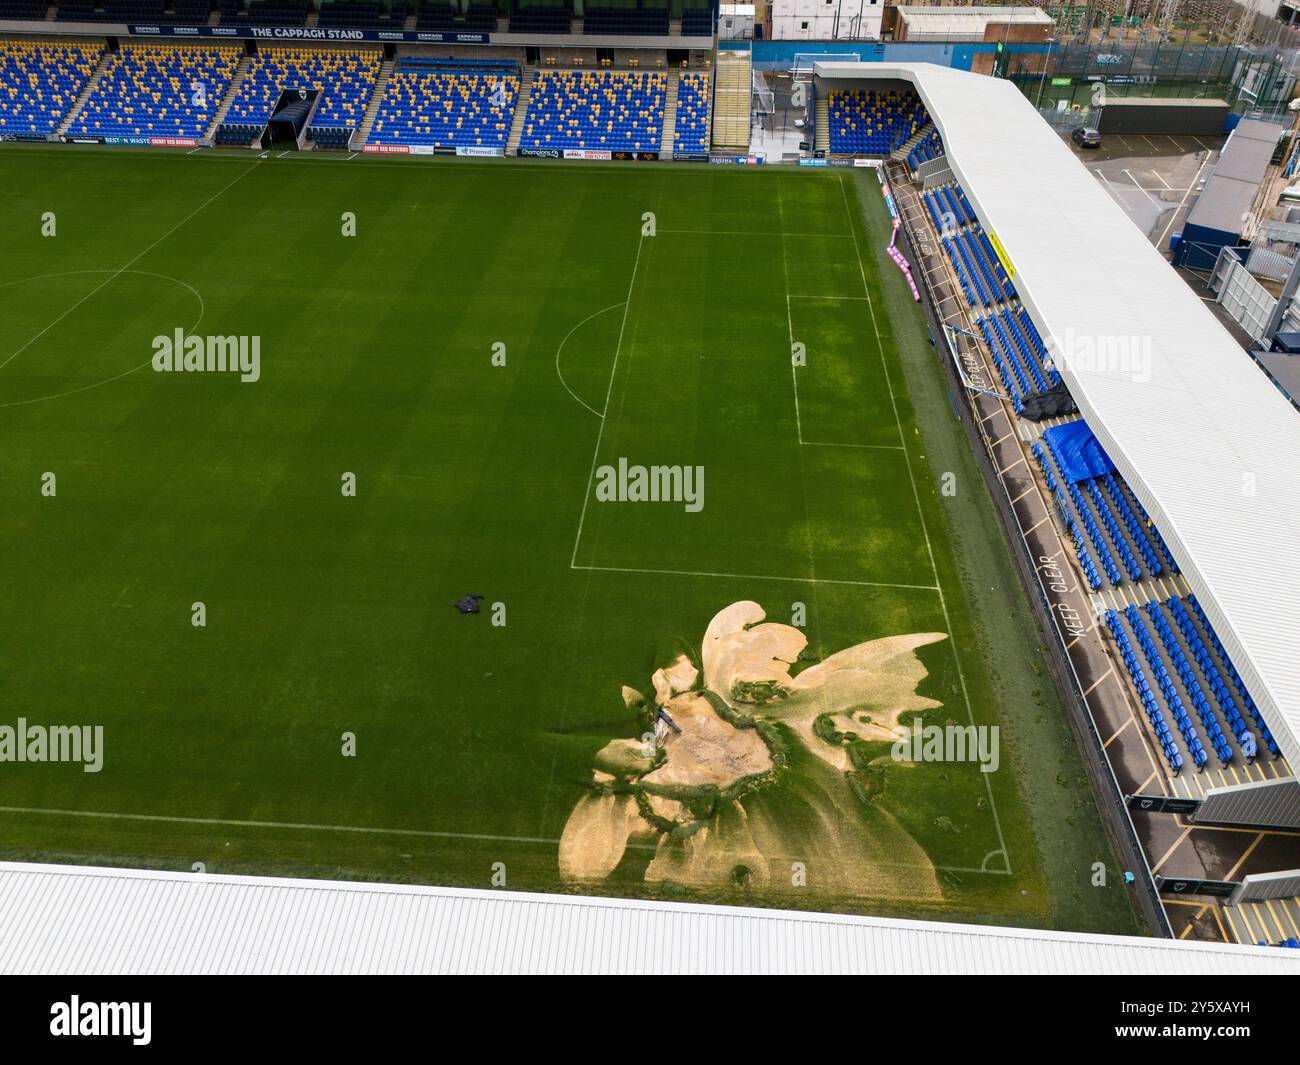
{"points": [[235, 82], [670, 116], [376, 100], [521, 109], [904, 150], [87, 89], [822, 143], [732, 85]]}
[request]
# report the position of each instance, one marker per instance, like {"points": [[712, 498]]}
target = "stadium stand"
{"points": [[930, 146], [194, 11], [481, 18], [358, 14], [732, 88], [868, 122], [446, 104], [23, 10], [631, 21], [438, 17], [553, 19], [346, 78], [598, 110], [149, 91], [266, 13], [77, 11], [39, 83], [697, 22], [691, 133], [1184, 675]]}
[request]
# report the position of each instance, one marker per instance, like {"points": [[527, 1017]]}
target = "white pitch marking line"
{"points": [[613, 373], [746, 233], [755, 577], [424, 833], [801, 296], [794, 373], [916, 495], [192, 151], [836, 443], [126, 266], [560, 349]]}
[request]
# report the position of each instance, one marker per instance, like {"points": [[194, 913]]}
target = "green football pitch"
{"points": [[452, 355]]}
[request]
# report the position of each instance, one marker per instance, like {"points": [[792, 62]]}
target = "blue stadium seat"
{"points": [[346, 78], [39, 82], [595, 110], [870, 122], [448, 107], [158, 90], [691, 133]]}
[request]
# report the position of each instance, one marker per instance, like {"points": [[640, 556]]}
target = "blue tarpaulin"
{"points": [[1078, 452]]}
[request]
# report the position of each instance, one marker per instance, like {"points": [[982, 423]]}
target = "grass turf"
{"points": [[329, 615]]}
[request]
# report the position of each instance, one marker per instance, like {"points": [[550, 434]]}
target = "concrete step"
{"points": [[521, 109], [91, 84], [376, 101], [232, 90], [670, 116]]}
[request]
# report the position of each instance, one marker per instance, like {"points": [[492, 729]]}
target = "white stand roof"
{"points": [[81, 920], [1207, 443]]}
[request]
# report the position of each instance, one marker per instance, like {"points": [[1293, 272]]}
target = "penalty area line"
{"points": [[755, 577], [300, 826], [420, 833]]}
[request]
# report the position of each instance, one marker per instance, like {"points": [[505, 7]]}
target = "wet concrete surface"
{"points": [[1154, 179]]}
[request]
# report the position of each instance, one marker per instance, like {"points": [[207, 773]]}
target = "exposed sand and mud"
{"points": [[810, 816]]}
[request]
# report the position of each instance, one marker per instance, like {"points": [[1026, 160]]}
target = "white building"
{"points": [[736, 22], [826, 20]]}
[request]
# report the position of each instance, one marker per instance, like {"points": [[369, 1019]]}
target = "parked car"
{"points": [[1086, 138]]}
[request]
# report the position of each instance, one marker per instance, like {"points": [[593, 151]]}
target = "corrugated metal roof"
{"points": [[75, 919], [1231, 188], [1206, 441], [966, 22]]}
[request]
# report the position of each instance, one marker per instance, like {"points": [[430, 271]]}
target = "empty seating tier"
{"points": [[867, 122], [345, 78], [691, 133], [447, 108], [266, 13], [39, 83], [697, 22], [23, 10], [158, 91], [554, 19], [646, 21], [595, 110]]}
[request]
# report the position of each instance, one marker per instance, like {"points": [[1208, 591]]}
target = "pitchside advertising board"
{"points": [[1162, 804], [144, 142], [307, 33], [1219, 889], [431, 149], [586, 153]]}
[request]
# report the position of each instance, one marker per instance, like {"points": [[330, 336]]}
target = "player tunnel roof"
{"points": [[1203, 437]]}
